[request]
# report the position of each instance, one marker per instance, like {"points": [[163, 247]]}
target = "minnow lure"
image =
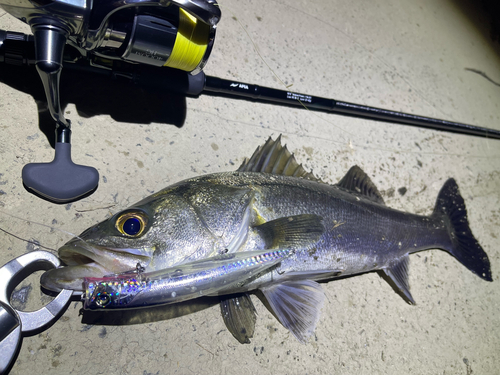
{"points": [[187, 281]]}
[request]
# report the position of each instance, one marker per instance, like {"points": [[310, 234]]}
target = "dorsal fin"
{"points": [[358, 182], [274, 158]]}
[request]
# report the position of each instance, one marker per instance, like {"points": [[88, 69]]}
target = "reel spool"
{"points": [[178, 34], [191, 49], [185, 46], [171, 37]]}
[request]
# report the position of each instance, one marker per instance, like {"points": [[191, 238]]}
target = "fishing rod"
{"points": [[155, 44], [289, 98], [181, 82]]}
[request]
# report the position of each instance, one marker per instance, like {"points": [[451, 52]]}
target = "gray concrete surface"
{"points": [[404, 55]]}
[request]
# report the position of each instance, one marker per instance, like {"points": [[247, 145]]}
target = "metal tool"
{"points": [[174, 33], [15, 324]]}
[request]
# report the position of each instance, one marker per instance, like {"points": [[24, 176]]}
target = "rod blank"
{"points": [[269, 95]]}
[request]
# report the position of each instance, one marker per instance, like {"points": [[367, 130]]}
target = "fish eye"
{"points": [[131, 224], [102, 299]]}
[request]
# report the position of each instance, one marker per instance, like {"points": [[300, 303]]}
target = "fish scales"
{"points": [[360, 235]]}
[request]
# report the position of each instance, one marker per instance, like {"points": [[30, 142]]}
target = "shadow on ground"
{"points": [[95, 95]]}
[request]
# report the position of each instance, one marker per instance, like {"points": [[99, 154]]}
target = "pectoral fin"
{"points": [[239, 315], [297, 305], [292, 231], [398, 273]]}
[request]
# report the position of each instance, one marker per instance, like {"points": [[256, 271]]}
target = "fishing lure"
{"points": [[187, 281]]}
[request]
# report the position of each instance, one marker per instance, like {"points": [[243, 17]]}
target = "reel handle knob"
{"points": [[61, 180]]}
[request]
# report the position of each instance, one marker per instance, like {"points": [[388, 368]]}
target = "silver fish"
{"points": [[181, 283], [271, 202]]}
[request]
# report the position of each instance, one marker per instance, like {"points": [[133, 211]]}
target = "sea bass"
{"points": [[271, 202]]}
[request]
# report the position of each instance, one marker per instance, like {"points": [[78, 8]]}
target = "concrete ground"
{"points": [[405, 55]]}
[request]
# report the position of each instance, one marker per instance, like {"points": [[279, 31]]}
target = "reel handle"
{"points": [[61, 180]]}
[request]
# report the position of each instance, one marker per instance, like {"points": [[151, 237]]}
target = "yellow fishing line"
{"points": [[190, 44]]}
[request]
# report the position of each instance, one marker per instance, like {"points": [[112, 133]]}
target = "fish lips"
{"points": [[89, 260], [70, 277]]}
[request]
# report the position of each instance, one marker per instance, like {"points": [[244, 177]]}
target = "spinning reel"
{"points": [[173, 33]]}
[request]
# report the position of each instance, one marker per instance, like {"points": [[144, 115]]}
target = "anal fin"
{"points": [[239, 315], [297, 305], [398, 273]]}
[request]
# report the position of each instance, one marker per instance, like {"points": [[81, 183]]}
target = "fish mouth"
{"points": [[85, 260]]}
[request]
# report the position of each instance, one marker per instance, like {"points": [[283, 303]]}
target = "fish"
{"points": [[272, 202]]}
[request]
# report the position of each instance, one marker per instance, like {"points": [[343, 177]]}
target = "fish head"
{"points": [[116, 245], [158, 232]]}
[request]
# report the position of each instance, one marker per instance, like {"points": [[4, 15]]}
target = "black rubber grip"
{"points": [[61, 180]]}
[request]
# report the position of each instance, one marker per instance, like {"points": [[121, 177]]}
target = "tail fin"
{"points": [[464, 247]]}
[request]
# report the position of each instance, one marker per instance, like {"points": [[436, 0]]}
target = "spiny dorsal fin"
{"points": [[274, 158], [358, 182]]}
